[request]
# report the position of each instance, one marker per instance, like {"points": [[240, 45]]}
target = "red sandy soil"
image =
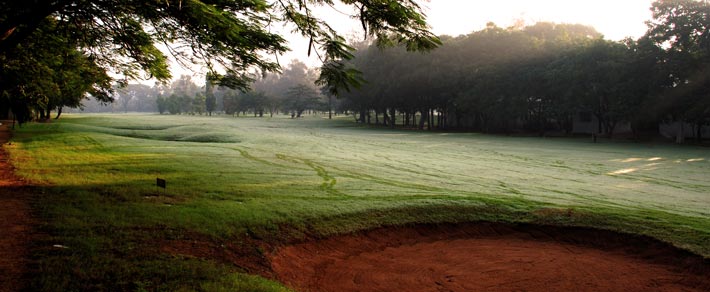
{"points": [[15, 222], [489, 257]]}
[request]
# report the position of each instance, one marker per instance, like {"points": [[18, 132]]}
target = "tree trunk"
{"points": [[430, 124], [330, 107], [569, 123], [11, 37], [59, 112], [428, 119], [599, 123], [483, 123], [393, 118], [680, 135], [439, 120], [610, 126], [444, 117], [385, 118], [7, 33], [423, 118], [541, 121]]}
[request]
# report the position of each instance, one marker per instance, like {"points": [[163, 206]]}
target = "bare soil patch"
{"points": [[15, 222], [489, 257]]}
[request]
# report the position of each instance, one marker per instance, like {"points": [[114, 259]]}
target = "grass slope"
{"points": [[229, 179]]}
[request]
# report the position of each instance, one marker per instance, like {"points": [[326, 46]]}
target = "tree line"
{"points": [[535, 78], [293, 91], [542, 77], [54, 54]]}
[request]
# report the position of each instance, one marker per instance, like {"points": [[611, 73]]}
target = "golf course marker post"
{"points": [[161, 184]]}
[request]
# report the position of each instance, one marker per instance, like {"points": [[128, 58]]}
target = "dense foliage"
{"points": [[229, 38], [47, 72], [538, 78], [542, 77]]}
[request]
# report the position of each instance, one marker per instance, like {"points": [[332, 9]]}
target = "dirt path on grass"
{"points": [[15, 222], [489, 257]]}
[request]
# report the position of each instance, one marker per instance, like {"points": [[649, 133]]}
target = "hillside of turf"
{"points": [[235, 181]]}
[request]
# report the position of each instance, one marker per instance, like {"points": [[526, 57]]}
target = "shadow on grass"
{"points": [[111, 237]]}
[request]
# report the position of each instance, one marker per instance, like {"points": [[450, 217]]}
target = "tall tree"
{"points": [[198, 104], [210, 98], [300, 98], [337, 73], [231, 102], [46, 72], [681, 29], [233, 35]]}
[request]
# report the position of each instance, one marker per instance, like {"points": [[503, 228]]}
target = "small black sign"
{"points": [[160, 182]]}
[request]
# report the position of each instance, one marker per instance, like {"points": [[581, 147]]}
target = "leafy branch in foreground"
{"points": [[228, 37]]}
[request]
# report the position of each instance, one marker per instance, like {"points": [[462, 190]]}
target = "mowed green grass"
{"points": [[277, 179]]}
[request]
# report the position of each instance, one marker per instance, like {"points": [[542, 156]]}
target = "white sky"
{"points": [[615, 19]]}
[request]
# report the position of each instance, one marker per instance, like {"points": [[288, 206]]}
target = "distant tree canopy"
{"points": [[540, 77], [270, 93], [534, 78], [291, 91], [229, 38], [488, 80]]}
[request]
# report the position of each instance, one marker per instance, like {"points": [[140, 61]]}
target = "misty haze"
{"points": [[388, 145]]}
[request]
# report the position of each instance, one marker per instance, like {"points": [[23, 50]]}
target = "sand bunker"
{"points": [[489, 257]]}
